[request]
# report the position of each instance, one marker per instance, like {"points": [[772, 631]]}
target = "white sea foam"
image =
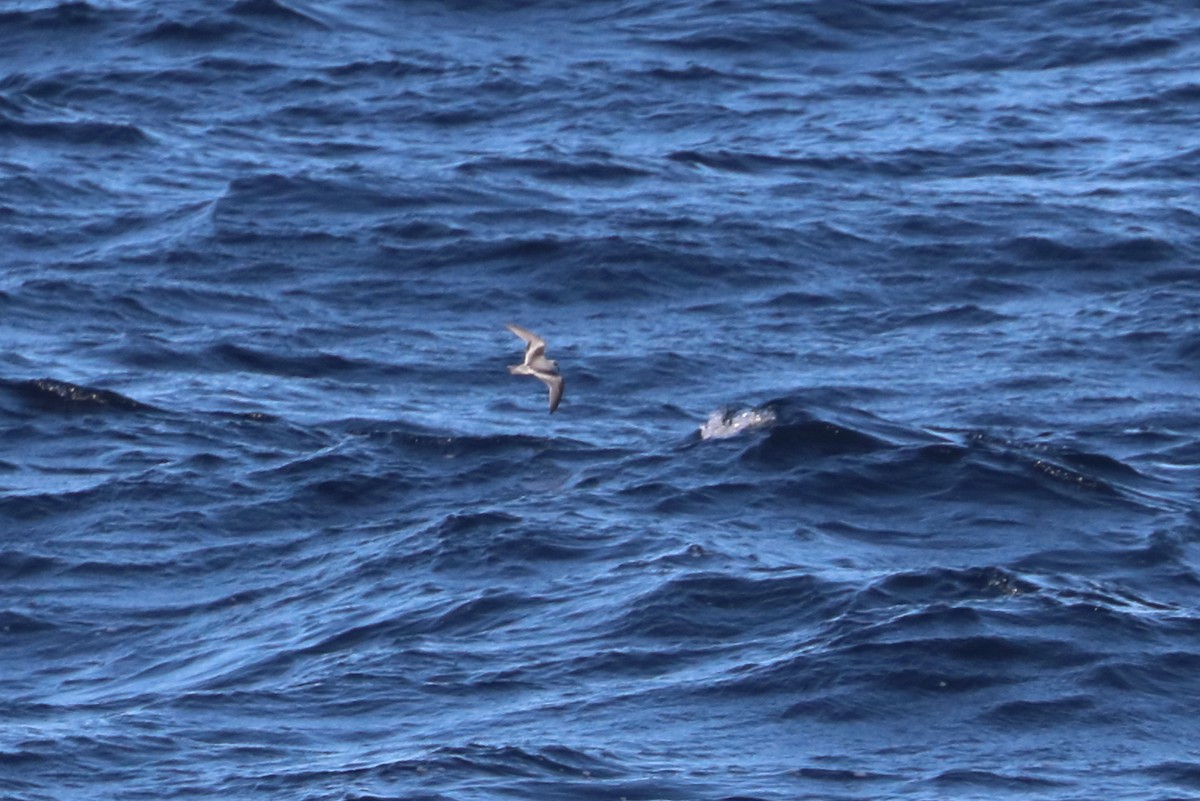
{"points": [[724, 423]]}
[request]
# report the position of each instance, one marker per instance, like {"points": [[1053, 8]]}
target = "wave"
{"points": [[724, 423], [1062, 50], [48, 394], [74, 132], [275, 11], [840, 452], [58, 17], [204, 31], [236, 20], [580, 169]]}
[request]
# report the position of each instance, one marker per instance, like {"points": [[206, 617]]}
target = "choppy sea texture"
{"points": [[877, 471]]}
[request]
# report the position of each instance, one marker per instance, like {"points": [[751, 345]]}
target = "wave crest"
{"points": [[725, 423]]}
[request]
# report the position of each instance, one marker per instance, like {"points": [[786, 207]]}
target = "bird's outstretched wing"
{"points": [[555, 383], [535, 346]]}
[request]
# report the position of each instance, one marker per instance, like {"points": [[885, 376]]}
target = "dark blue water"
{"points": [[877, 472]]}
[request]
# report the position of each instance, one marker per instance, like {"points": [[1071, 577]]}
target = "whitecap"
{"points": [[724, 423]]}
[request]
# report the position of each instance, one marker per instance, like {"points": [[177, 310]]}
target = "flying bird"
{"points": [[537, 365]]}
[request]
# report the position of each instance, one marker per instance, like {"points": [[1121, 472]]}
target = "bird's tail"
{"points": [[518, 369]]}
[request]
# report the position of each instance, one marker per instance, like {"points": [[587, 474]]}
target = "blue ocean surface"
{"points": [[877, 473]]}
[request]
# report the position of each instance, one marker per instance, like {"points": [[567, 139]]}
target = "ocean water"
{"points": [[877, 470]]}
